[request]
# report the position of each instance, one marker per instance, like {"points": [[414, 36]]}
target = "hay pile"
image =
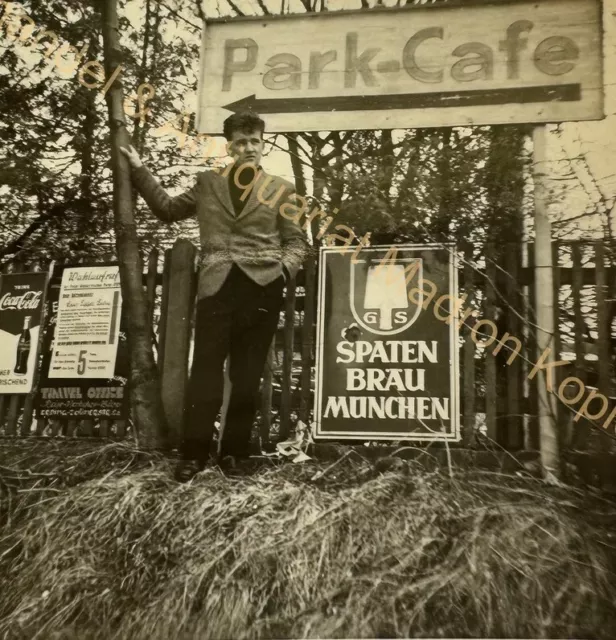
{"points": [[357, 552]]}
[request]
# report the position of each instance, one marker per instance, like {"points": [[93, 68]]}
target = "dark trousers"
{"points": [[239, 321]]}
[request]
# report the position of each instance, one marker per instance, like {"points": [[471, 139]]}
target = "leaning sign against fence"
{"points": [[21, 304], [513, 61], [85, 356], [387, 369]]}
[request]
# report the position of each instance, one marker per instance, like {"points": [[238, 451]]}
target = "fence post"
{"points": [[181, 283]]}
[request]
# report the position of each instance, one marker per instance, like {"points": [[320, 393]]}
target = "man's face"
{"points": [[248, 147]]}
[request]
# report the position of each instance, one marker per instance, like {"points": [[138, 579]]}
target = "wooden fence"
{"points": [[497, 398]]}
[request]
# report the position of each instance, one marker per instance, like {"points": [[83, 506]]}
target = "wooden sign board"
{"points": [[416, 66], [387, 344]]}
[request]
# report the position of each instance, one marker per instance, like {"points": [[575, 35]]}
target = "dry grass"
{"points": [[119, 550]]}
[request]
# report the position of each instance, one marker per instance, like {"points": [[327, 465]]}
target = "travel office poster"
{"points": [[22, 296], [85, 355]]}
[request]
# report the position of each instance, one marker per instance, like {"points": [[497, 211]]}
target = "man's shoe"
{"points": [[239, 465], [187, 469]]}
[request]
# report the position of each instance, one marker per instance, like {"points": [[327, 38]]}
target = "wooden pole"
{"points": [[544, 297]]}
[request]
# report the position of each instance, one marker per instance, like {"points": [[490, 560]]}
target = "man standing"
{"points": [[248, 251]]}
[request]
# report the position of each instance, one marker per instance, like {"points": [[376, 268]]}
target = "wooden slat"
{"points": [[151, 283], [581, 429], [532, 439], [41, 425], [603, 329], [55, 427], [178, 320], [103, 432], [603, 335], [515, 427], [576, 290], [308, 337], [469, 389], [558, 372], [120, 429], [72, 426], [266, 397], [164, 310], [87, 427], [287, 359], [490, 361], [12, 414]]}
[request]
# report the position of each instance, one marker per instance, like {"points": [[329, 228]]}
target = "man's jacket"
{"points": [[259, 240]]}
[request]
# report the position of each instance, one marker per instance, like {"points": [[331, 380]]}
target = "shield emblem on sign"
{"points": [[379, 294]]}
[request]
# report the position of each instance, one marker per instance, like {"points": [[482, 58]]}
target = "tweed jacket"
{"points": [[260, 240]]}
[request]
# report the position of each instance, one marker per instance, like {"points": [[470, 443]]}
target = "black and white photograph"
{"points": [[307, 319]]}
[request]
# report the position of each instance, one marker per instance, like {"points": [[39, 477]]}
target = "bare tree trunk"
{"points": [[145, 393]]}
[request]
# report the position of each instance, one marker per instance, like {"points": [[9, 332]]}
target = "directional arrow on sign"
{"points": [[437, 99]]}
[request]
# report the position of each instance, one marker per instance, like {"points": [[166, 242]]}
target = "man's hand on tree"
{"points": [[132, 156]]}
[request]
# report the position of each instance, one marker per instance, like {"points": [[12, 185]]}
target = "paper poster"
{"points": [[88, 323], [21, 306], [84, 397]]}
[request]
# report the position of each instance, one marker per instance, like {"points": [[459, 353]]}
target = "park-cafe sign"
{"points": [[422, 65]]}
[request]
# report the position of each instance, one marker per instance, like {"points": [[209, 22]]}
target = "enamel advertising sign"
{"points": [[22, 296], [387, 361], [428, 65]]}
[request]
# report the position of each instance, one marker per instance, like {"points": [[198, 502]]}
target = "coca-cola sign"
{"points": [[26, 301], [22, 299]]}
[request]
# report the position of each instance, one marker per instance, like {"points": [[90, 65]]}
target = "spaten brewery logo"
{"points": [[379, 293], [27, 301]]}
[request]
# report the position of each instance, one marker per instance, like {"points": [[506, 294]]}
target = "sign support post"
{"points": [[544, 296]]}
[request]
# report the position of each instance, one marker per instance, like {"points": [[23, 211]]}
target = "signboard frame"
{"points": [[454, 435], [35, 344], [415, 117]]}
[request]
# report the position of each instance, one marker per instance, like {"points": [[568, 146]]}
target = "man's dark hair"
{"points": [[245, 121]]}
